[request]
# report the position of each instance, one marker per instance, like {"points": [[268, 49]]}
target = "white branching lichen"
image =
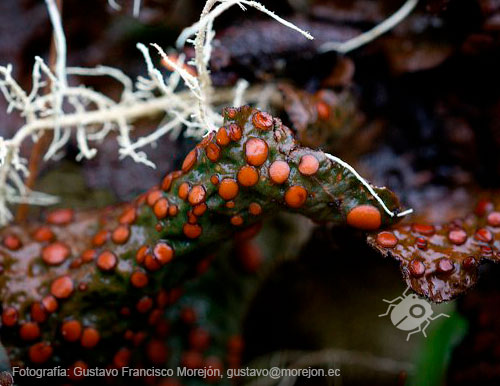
{"points": [[58, 103], [372, 34]]}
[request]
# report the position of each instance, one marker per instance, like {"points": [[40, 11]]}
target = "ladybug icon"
{"points": [[410, 313]]}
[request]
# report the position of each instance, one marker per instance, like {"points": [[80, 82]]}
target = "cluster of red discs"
{"points": [[198, 341], [53, 253], [477, 245], [256, 153], [151, 341], [154, 341], [153, 258], [257, 167]]}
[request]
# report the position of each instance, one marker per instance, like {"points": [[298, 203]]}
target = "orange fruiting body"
{"points": [[62, 287], [279, 172], [71, 330], [163, 252], [192, 231], [256, 151], [308, 165], [197, 195], [262, 120], [40, 352], [12, 242], [387, 239], [107, 261], [255, 208], [248, 176], [55, 253], [60, 216], [295, 197], [139, 279], [222, 137], [121, 234], [189, 161], [228, 189], [237, 220], [365, 217], [184, 190], [213, 152], [90, 337], [29, 331], [160, 208], [43, 233]]}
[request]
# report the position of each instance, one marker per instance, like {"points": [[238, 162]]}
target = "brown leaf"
{"points": [[415, 54], [323, 119], [441, 261]]}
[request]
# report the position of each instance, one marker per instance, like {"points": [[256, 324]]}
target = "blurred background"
{"points": [[417, 110]]}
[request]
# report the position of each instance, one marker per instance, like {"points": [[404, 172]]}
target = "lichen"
{"points": [[94, 268]]}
